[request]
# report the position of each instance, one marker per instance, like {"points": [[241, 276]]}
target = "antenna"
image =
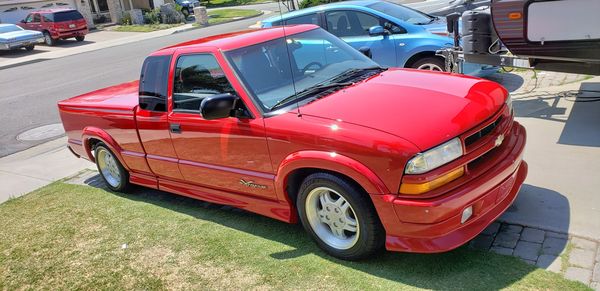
{"points": [[289, 55]]}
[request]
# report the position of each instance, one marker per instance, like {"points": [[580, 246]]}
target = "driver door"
{"points": [[229, 154], [353, 27]]}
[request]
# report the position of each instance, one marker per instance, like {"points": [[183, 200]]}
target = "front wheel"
{"points": [[112, 172], [339, 217], [430, 64]]}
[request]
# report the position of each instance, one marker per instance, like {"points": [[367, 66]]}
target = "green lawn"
{"points": [[71, 237], [225, 3], [224, 15], [144, 27]]}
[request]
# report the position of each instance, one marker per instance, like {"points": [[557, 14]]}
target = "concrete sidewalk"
{"points": [[36, 167]]}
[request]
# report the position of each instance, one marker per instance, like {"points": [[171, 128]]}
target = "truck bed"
{"points": [[110, 110]]}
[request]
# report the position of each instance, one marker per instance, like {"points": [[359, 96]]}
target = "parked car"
{"points": [[397, 36], [295, 125], [57, 24], [187, 6], [14, 37]]}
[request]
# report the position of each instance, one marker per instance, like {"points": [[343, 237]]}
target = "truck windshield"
{"points": [[316, 57]]}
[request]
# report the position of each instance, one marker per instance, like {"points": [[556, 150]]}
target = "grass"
{"points": [[226, 3], [70, 237], [144, 27], [228, 14]]}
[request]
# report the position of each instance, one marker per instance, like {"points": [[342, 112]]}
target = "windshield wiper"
{"points": [[310, 90]]}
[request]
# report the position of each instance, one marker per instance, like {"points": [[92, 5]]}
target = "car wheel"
{"points": [[430, 64], [339, 217], [80, 38], [30, 47], [48, 39], [112, 172]]}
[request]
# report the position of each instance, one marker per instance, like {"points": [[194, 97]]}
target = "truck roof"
{"points": [[239, 39]]}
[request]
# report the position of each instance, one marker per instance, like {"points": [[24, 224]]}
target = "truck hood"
{"points": [[120, 97], [426, 108]]}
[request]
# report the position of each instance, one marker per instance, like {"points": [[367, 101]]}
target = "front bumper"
{"points": [[434, 225]]}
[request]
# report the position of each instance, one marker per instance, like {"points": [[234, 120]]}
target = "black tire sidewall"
{"points": [[48, 36], [80, 38], [122, 187], [362, 209]]}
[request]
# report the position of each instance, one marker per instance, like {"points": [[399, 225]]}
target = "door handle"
{"points": [[175, 127]]}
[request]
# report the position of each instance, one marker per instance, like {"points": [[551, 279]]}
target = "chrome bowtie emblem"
{"points": [[499, 140]]}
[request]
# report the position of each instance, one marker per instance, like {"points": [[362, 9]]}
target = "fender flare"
{"points": [[330, 161], [91, 132]]}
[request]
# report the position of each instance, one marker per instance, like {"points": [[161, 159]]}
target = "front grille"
{"points": [[482, 133]]}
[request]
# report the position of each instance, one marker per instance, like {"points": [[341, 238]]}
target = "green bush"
{"points": [[152, 16], [310, 3], [126, 19]]}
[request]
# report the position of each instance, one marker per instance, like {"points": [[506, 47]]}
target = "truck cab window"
{"points": [[197, 77], [153, 83]]}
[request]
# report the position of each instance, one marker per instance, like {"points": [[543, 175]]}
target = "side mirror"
{"points": [[365, 50], [217, 106], [22, 20], [376, 30]]}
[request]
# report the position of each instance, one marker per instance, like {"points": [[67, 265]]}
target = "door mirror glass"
{"points": [[217, 106], [376, 30]]}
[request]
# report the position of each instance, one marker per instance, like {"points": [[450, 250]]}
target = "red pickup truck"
{"points": [[296, 125]]}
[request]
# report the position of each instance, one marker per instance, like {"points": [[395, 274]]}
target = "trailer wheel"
{"points": [[112, 172]]}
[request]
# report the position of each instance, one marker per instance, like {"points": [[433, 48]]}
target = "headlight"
{"points": [[435, 157], [509, 104]]}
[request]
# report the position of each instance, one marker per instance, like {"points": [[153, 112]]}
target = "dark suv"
{"points": [[57, 24]]}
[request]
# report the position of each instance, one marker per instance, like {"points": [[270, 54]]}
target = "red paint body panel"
{"points": [[367, 132]]}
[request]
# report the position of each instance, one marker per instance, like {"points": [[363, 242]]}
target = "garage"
{"points": [[12, 11]]}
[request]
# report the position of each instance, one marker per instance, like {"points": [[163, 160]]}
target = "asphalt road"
{"points": [[29, 93]]}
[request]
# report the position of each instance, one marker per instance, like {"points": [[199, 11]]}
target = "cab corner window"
{"points": [[153, 83], [197, 77]]}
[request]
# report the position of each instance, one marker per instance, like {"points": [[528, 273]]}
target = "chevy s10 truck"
{"points": [[294, 124]]}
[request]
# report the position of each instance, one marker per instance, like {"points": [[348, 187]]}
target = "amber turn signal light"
{"points": [[416, 189], [515, 15]]}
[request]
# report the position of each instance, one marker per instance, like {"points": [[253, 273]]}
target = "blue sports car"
{"points": [[15, 37], [397, 36]]}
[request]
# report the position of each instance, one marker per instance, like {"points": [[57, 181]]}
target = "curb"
{"points": [[262, 12]]}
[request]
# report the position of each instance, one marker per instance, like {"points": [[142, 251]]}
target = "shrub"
{"points": [[152, 16], [126, 18]]}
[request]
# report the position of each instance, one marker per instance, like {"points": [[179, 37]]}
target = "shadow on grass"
{"points": [[459, 269]]}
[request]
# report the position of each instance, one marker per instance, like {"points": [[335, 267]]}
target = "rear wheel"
{"points": [[339, 217], [80, 38], [30, 47], [430, 64], [112, 172], [48, 39]]}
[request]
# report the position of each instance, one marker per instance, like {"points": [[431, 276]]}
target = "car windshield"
{"points": [[402, 13], [67, 16], [316, 58], [9, 28]]}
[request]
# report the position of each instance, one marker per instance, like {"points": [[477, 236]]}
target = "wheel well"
{"points": [[296, 177], [412, 60], [92, 142]]}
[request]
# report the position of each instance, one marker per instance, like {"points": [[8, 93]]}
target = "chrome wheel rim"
{"points": [[108, 167], [332, 218], [430, 67], [48, 38]]}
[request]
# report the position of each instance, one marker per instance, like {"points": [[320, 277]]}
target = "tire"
{"points": [[80, 38], [112, 172], [348, 229], [48, 39], [30, 47], [430, 64]]}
